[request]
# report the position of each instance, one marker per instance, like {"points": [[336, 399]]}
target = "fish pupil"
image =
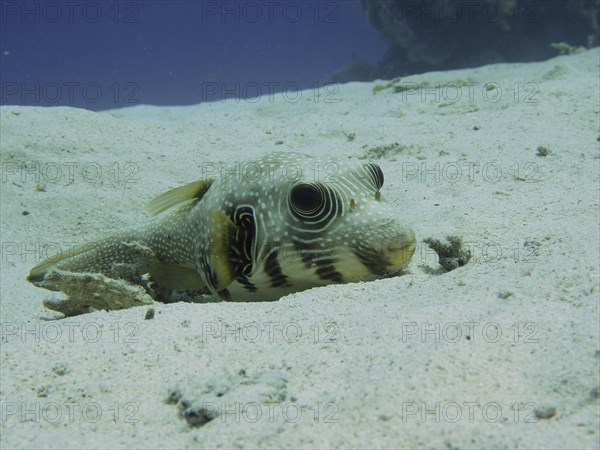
{"points": [[306, 197]]}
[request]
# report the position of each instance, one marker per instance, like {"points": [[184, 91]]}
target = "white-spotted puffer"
{"points": [[259, 230]]}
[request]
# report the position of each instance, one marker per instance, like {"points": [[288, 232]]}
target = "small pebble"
{"points": [[149, 314], [545, 412], [543, 151], [60, 369]]}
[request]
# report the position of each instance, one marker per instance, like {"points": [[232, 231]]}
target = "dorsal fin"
{"points": [[177, 196]]}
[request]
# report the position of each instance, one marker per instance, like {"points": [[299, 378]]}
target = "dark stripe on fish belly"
{"points": [[246, 283], [306, 253], [373, 261], [273, 270], [328, 272], [224, 294]]}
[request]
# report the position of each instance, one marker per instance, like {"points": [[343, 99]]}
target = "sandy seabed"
{"points": [[500, 353]]}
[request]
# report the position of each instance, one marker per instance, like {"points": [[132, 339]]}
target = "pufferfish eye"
{"points": [[306, 197], [376, 174]]}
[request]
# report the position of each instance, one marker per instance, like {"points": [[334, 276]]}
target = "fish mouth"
{"points": [[390, 257], [398, 254]]}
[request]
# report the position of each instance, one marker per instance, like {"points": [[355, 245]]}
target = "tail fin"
{"points": [[115, 256]]}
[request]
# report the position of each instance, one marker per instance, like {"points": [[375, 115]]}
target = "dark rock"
{"points": [[426, 35]]}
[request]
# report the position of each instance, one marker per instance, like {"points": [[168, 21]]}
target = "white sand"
{"points": [[534, 276]]}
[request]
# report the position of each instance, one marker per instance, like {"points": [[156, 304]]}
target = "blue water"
{"points": [[108, 54], [103, 54]]}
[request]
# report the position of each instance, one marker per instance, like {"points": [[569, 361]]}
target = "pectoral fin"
{"points": [[223, 232], [175, 276]]}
